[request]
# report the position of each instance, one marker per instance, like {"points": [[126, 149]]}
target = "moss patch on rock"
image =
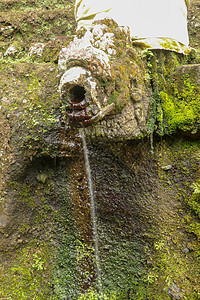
{"points": [[30, 102], [36, 25], [182, 100], [27, 273], [176, 90]]}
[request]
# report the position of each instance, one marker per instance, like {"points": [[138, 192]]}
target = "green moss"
{"points": [[45, 264], [169, 268], [193, 202], [91, 295], [182, 108], [15, 5], [128, 75], [27, 274], [155, 121], [64, 278], [114, 98], [176, 92], [176, 253], [31, 99], [37, 25]]}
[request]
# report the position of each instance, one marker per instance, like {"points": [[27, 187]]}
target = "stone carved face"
{"points": [[103, 84]]}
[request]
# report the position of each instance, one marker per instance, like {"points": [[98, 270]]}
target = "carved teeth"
{"points": [[75, 117], [78, 106], [102, 113]]}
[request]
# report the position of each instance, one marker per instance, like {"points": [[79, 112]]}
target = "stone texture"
{"points": [[174, 292]]}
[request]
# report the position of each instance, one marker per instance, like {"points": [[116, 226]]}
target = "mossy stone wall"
{"points": [[147, 204]]}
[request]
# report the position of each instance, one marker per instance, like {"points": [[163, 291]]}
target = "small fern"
{"points": [[196, 188]]}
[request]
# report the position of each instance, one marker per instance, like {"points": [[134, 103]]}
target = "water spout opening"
{"points": [[77, 94]]}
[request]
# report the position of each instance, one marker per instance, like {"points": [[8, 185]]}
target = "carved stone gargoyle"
{"points": [[104, 86]]}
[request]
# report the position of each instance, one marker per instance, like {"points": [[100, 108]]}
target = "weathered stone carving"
{"points": [[104, 82]]}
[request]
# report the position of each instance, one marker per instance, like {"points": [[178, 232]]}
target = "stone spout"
{"points": [[84, 100]]}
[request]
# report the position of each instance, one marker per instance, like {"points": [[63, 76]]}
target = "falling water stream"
{"points": [[93, 212]]}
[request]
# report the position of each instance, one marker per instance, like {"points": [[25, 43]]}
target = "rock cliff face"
{"points": [[147, 190]]}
